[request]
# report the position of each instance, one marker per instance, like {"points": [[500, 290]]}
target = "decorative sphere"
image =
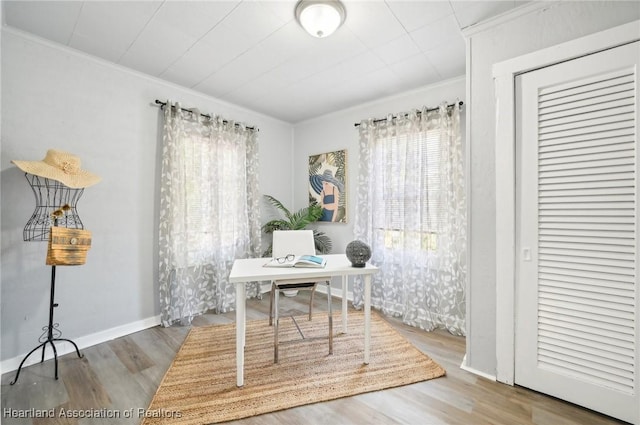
{"points": [[358, 253]]}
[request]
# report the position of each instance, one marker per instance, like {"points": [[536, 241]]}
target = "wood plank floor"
{"points": [[121, 376]]}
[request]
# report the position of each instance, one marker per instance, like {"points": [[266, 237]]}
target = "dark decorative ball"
{"points": [[358, 253]]}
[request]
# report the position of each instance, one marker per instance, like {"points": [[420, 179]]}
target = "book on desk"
{"points": [[297, 261]]}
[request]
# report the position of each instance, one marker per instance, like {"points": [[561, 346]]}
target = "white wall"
{"points": [[54, 97], [336, 131], [488, 44]]}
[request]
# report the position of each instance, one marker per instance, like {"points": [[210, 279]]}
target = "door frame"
{"points": [[504, 74]]}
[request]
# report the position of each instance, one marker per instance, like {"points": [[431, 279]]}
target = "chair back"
{"points": [[296, 242]]}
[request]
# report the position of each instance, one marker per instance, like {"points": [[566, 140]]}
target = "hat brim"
{"points": [[316, 181], [78, 180]]}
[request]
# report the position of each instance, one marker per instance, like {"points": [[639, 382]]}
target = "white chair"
{"points": [[296, 242]]}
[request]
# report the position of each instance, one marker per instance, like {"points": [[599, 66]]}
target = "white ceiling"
{"points": [[254, 54]]}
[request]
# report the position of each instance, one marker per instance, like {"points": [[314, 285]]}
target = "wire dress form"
{"points": [[51, 195]]}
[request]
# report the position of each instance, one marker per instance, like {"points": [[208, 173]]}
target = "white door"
{"points": [[577, 273]]}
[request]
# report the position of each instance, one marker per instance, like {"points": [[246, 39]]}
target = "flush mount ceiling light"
{"points": [[320, 18]]}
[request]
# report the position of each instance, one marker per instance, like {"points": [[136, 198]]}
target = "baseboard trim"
{"points": [[335, 292], [86, 341], [466, 368]]}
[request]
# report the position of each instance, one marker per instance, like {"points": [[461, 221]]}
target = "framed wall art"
{"points": [[328, 185]]}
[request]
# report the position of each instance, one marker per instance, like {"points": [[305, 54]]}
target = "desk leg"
{"points": [[367, 317], [345, 279], [240, 332]]}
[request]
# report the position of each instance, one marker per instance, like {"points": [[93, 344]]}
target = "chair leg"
{"points": [[330, 317], [273, 289], [313, 291], [275, 326]]}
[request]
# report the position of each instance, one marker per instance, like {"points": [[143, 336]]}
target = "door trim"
{"points": [[504, 74]]}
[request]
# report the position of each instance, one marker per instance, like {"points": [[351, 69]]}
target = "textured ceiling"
{"points": [[254, 53]]}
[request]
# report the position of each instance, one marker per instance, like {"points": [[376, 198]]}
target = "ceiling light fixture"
{"points": [[320, 18]]}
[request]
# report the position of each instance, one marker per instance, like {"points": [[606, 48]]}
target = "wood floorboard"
{"points": [[130, 354], [396, 406], [124, 374], [83, 386], [110, 371], [58, 420]]}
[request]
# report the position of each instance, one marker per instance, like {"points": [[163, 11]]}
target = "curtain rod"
{"points": [[163, 104], [419, 112]]}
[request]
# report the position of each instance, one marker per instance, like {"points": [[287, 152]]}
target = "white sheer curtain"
{"points": [[411, 212], [209, 200]]}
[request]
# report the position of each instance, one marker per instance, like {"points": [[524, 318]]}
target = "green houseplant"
{"points": [[296, 221]]}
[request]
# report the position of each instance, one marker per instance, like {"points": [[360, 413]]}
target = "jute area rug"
{"points": [[200, 386]]}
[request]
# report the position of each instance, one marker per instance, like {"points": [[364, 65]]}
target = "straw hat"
{"points": [[61, 166]]}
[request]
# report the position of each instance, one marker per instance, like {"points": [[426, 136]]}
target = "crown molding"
{"points": [[510, 15]]}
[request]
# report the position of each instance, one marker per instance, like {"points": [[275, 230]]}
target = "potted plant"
{"points": [[297, 221]]}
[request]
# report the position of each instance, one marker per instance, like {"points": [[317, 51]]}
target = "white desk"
{"points": [[252, 270]]}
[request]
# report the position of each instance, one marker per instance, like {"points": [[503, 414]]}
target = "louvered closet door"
{"points": [[577, 280]]}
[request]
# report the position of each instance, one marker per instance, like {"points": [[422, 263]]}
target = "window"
{"points": [[410, 210], [208, 212], [213, 212]]}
